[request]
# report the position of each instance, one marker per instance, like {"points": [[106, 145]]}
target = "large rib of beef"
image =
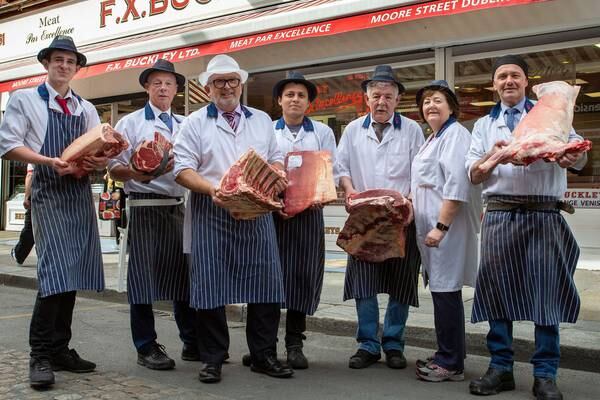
{"points": [[251, 187], [152, 156], [310, 180], [376, 227], [101, 141], [544, 131]]}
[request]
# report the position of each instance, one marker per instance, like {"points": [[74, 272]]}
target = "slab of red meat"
{"points": [[151, 156], [544, 131], [376, 227], [101, 141], [310, 180], [251, 187]]}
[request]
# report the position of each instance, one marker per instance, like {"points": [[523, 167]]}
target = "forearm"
{"points": [[123, 173], [26, 155], [28, 185], [475, 173], [448, 211], [193, 181], [346, 184]]}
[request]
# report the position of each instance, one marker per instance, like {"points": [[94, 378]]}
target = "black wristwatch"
{"points": [[442, 227]]}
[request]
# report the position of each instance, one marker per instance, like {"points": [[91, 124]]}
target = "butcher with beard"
{"points": [[232, 261], [528, 252], [376, 152]]}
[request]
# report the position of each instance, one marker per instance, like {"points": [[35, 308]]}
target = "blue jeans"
{"points": [[367, 334], [545, 359]]}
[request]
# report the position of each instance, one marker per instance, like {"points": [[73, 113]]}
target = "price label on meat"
{"points": [[294, 162]]}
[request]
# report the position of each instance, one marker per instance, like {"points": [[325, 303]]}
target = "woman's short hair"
{"points": [[451, 100]]}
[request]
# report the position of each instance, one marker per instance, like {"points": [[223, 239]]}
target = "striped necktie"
{"points": [[230, 118], [63, 104]]}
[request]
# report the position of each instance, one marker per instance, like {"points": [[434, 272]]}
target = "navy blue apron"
{"points": [[528, 259], [398, 277], [232, 261], [301, 241], [64, 216], [157, 268]]}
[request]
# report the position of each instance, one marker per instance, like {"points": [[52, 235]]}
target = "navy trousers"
{"points": [[545, 359], [142, 324], [449, 318]]}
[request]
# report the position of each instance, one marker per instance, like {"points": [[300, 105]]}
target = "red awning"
{"points": [[324, 28]]}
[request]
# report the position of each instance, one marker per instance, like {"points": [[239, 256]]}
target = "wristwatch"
{"points": [[442, 227]]}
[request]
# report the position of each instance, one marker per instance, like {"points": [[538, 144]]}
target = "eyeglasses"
{"points": [[220, 83]]}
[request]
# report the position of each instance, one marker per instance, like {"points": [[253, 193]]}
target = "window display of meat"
{"points": [[544, 131], [101, 141], [376, 227], [251, 187], [152, 156], [310, 180]]}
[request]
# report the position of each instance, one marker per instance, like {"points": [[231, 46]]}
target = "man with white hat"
{"points": [[232, 261], [38, 125], [157, 268]]}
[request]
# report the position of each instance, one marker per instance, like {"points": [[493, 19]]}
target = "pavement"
{"points": [[101, 334], [580, 342]]}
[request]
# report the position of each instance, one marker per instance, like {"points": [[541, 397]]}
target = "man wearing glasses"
{"points": [[232, 261], [157, 268]]}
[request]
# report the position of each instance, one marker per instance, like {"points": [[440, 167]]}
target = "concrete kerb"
{"points": [[572, 357]]}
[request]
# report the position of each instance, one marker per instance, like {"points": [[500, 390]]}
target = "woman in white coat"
{"points": [[447, 216]]}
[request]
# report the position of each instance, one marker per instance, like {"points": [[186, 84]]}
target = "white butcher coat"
{"points": [[438, 174], [138, 126]]}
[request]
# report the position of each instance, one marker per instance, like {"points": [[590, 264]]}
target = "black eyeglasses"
{"points": [[220, 83]]}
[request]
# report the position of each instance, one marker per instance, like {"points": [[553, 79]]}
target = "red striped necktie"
{"points": [[63, 104], [230, 118]]}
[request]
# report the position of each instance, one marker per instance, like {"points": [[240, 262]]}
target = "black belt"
{"points": [[498, 205]]}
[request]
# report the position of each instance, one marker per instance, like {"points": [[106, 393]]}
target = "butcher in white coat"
{"points": [[447, 214]]}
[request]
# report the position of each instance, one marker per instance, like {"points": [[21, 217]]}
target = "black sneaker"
{"points": [[190, 352], [156, 358], [296, 358], [210, 373], [40, 373], [363, 359], [395, 359], [70, 361]]}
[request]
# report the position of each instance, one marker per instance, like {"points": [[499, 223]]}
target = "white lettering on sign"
{"points": [[583, 198]]}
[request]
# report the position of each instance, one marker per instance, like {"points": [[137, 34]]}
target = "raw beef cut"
{"points": [[544, 131], [376, 227], [101, 141], [152, 156], [251, 187], [310, 180]]}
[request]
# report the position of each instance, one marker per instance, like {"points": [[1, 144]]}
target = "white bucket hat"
{"points": [[222, 64]]}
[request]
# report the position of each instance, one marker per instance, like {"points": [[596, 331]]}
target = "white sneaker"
{"points": [[434, 373]]}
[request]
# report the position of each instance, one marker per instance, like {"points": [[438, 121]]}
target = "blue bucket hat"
{"points": [[65, 43], [440, 85], [295, 77], [383, 73]]}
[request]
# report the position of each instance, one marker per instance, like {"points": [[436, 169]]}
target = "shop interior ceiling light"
{"points": [[593, 94], [483, 103]]}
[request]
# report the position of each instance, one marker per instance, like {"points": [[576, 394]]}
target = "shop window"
{"points": [[340, 97], [579, 65]]}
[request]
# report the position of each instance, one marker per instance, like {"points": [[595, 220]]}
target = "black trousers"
{"points": [[261, 332], [295, 325], [449, 316], [25, 243], [142, 324], [50, 329]]}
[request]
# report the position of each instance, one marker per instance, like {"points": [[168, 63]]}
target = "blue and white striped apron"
{"points": [[232, 261], [301, 241], [157, 268], [528, 259], [63, 216], [397, 277]]}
